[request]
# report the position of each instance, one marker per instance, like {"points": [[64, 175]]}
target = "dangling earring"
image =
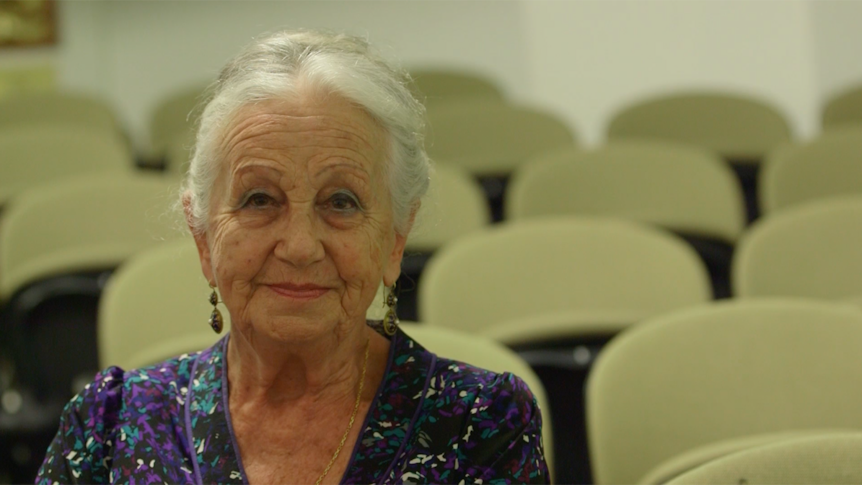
{"points": [[390, 321], [216, 320]]}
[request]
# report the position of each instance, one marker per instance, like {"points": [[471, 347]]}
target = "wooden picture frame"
{"points": [[28, 23]]}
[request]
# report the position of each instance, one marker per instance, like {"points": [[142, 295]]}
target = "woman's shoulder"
{"points": [[485, 391], [115, 391]]}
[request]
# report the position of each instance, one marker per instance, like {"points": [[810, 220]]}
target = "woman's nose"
{"points": [[299, 241]]}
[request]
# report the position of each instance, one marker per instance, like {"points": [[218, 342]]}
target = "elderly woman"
{"points": [[307, 173]]}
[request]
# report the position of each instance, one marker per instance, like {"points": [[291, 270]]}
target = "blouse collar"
{"points": [[386, 430]]}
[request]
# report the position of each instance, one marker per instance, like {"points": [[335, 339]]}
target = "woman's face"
{"points": [[300, 228]]}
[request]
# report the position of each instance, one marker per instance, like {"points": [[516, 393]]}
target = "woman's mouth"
{"points": [[303, 292]]}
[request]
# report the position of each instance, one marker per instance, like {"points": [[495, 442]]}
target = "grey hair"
{"points": [[273, 67]]}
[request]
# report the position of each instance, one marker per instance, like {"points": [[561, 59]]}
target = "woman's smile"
{"points": [[299, 292]]}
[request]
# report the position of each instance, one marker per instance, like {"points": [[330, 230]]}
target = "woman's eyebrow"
{"points": [[342, 166]]}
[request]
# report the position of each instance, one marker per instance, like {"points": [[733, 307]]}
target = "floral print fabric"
{"points": [[433, 420]]}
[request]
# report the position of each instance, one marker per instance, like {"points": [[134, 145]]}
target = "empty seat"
{"points": [[443, 85], [156, 306], [65, 109], [681, 188], [717, 372], [812, 250], [36, 154], [488, 138], [58, 243], [591, 265], [175, 116], [845, 108], [827, 458], [828, 166], [738, 128], [455, 206]]}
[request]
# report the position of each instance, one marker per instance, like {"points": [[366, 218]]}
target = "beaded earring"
{"points": [[390, 321], [216, 320]]}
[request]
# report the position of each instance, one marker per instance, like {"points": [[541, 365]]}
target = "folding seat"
{"points": [[442, 85], [490, 139], [57, 108], [844, 108], [58, 245], [156, 306], [454, 206], [174, 117], [700, 376], [828, 166], [681, 188], [822, 459], [556, 289], [535, 267], [740, 129], [36, 154], [811, 250]]}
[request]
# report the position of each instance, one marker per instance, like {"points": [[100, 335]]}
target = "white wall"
{"points": [[149, 48], [837, 33], [590, 58], [583, 59]]}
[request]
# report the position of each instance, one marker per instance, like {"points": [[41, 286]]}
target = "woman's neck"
{"points": [[324, 372]]}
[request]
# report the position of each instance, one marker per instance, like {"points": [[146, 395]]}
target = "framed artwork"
{"points": [[27, 22]]}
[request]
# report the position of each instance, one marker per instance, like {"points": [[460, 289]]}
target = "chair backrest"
{"points": [[736, 127], [175, 116], [845, 108], [721, 371], [66, 109], [486, 354], [84, 224], [825, 167], [823, 459], [443, 85], [812, 250], [178, 155], [455, 206], [681, 188], [35, 154], [491, 138], [156, 306], [542, 266]]}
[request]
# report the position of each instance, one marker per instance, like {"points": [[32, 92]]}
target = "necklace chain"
{"points": [[352, 417]]}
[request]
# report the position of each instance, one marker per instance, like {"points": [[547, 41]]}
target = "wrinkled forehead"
{"points": [[312, 129]]}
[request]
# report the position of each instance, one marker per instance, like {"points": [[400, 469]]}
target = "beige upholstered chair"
{"points": [[443, 85], [685, 189], [178, 155], [156, 307], [702, 455], [845, 108], [824, 459], [828, 166], [492, 138], [87, 223], [35, 154], [487, 354], [174, 117], [65, 109], [454, 206], [736, 127], [812, 250], [527, 268], [717, 372]]}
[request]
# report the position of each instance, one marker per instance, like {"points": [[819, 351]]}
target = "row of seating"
{"points": [[722, 378]]}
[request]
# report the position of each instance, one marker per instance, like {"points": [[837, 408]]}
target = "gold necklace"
{"points": [[352, 417]]}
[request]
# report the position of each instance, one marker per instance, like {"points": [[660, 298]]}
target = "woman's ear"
{"points": [[393, 263], [200, 240]]}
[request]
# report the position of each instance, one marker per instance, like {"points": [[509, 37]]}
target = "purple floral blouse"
{"points": [[434, 420]]}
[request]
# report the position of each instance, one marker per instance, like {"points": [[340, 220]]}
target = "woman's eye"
{"points": [[258, 200], [343, 203]]}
